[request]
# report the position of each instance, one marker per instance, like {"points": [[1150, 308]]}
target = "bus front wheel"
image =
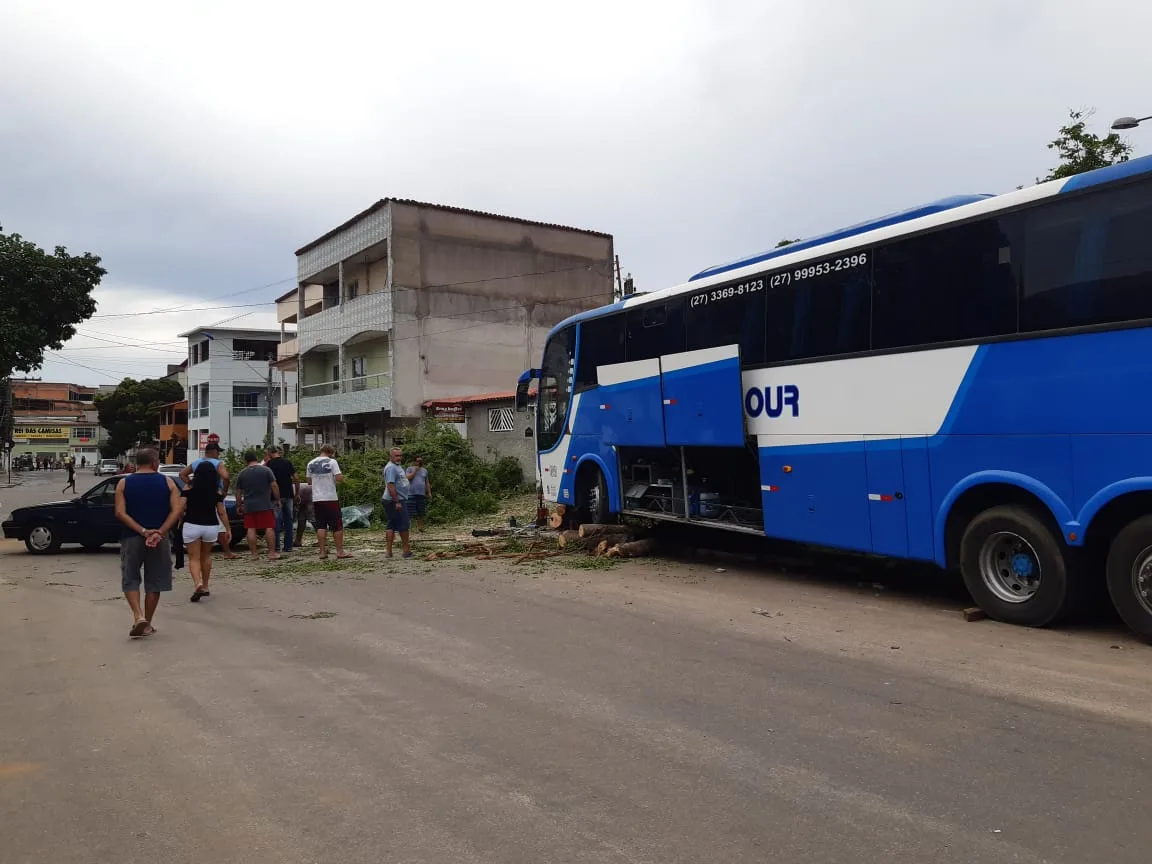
{"points": [[1129, 574], [1015, 568], [591, 496]]}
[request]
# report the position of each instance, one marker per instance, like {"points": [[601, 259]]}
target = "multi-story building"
{"points": [[408, 302], [54, 421], [233, 389]]}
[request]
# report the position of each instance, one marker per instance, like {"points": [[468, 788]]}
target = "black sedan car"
{"points": [[89, 520]]}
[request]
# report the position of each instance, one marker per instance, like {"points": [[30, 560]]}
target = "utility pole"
{"points": [[619, 285], [268, 398]]}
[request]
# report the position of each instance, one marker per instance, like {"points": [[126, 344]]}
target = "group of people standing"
{"points": [[268, 495]]}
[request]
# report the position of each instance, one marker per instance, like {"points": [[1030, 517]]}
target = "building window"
{"points": [[254, 349], [501, 419], [353, 289], [83, 432], [245, 400]]}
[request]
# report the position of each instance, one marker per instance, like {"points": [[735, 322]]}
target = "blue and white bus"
{"points": [[968, 382]]}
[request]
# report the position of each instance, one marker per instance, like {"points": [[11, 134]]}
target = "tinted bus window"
{"points": [[1089, 261], [824, 309], [729, 320], [655, 329], [601, 344], [950, 285]]}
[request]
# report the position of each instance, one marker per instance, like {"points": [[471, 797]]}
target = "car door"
{"points": [[97, 514]]}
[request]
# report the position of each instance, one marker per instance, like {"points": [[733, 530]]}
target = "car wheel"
{"points": [[1015, 569], [42, 540], [1129, 574]]}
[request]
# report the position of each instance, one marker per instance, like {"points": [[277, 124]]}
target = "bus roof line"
{"points": [[834, 242]]}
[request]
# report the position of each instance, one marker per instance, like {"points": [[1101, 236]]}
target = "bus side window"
{"points": [[1088, 261], [733, 321], [601, 344], [824, 315], [655, 329], [949, 285]]}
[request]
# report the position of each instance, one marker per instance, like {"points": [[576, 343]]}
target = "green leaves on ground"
{"points": [[131, 413]]}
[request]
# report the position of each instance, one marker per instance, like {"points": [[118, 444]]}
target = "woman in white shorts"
{"points": [[204, 520]]}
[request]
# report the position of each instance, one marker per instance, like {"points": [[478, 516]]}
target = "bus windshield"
{"points": [[555, 388]]}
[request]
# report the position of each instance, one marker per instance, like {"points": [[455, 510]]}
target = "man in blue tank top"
{"points": [[149, 505]]}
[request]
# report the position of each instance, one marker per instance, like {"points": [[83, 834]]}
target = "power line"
{"points": [[174, 309]]}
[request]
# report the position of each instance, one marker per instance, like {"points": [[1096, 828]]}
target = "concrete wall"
{"points": [[474, 297], [493, 445]]}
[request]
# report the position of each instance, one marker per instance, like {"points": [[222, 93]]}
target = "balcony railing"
{"points": [[197, 412], [288, 348], [288, 414], [249, 411], [361, 395], [337, 324]]}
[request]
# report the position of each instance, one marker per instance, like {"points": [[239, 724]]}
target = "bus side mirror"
{"points": [[522, 388]]}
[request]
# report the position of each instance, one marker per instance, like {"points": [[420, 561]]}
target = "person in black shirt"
{"points": [[289, 486], [204, 520]]}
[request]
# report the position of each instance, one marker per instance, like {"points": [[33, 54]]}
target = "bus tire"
{"points": [[1015, 568], [1129, 575], [591, 496]]}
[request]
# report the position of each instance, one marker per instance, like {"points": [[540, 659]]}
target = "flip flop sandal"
{"points": [[197, 594], [345, 555], [138, 629]]}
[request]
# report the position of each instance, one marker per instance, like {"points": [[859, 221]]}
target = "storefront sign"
{"points": [[41, 433], [452, 412]]}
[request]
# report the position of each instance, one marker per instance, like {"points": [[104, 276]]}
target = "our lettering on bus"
{"points": [[771, 401]]}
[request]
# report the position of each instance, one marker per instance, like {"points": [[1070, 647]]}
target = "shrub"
{"points": [[508, 474], [462, 483]]}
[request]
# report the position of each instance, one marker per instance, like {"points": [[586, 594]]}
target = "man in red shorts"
{"points": [[257, 497], [323, 474]]}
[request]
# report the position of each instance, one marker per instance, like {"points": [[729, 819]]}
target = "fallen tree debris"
{"points": [[556, 520], [593, 529], [635, 549]]}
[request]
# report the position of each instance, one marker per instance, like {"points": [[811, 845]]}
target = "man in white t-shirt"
{"points": [[323, 474]]}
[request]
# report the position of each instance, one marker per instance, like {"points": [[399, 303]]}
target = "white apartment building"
{"points": [[233, 390]]}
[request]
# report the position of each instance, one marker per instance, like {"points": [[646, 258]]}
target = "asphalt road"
{"points": [[641, 714]]}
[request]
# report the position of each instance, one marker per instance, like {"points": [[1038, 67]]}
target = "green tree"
{"points": [[131, 413], [42, 299], [787, 242], [1080, 150]]}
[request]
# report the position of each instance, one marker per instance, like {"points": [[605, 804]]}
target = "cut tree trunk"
{"points": [[635, 549], [569, 540], [593, 529], [602, 547], [556, 520]]}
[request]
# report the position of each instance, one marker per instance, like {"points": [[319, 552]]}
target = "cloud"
{"points": [[195, 149]]}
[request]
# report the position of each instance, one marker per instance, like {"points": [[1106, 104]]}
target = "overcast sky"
{"points": [[196, 150]]}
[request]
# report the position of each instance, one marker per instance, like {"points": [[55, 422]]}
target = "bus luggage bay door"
{"points": [[703, 397]]}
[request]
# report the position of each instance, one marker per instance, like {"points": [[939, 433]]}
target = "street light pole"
{"points": [[1121, 123]]}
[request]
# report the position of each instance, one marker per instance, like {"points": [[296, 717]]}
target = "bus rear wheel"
{"points": [[1015, 568], [591, 496], [1129, 575]]}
